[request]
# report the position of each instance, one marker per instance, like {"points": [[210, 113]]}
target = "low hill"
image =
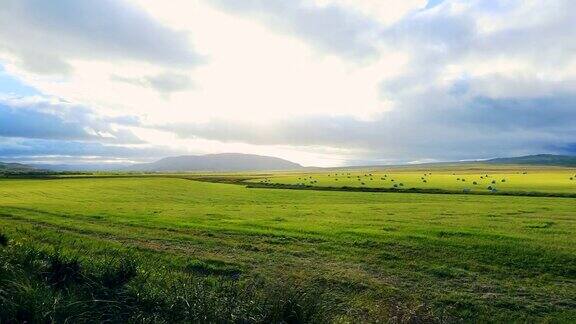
{"points": [[15, 168], [539, 159], [217, 163]]}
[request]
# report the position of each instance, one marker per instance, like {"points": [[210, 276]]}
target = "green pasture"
{"points": [[549, 180], [225, 253]]}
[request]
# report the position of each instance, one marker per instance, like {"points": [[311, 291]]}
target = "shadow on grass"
{"points": [[410, 190]]}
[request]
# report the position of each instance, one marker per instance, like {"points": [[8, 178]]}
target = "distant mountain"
{"points": [[539, 159], [15, 168], [217, 163]]}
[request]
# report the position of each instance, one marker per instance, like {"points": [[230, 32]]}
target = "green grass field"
{"points": [[157, 249], [495, 179]]}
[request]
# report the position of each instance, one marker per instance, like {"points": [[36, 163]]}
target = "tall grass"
{"points": [[40, 285]]}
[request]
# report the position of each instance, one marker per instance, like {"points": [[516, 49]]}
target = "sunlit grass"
{"points": [[546, 180], [349, 256]]}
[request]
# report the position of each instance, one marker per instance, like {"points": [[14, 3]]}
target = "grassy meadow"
{"points": [[472, 179], [171, 249]]}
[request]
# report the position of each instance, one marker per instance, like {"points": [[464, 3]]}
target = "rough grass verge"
{"points": [[45, 286]]}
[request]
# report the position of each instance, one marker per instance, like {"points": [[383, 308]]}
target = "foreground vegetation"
{"points": [[171, 250]]}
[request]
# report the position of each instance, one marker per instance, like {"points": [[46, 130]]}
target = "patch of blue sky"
{"points": [[433, 3], [10, 85]]}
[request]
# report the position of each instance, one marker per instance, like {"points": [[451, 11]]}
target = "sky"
{"points": [[318, 82]]}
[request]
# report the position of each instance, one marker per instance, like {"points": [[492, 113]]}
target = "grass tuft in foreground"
{"points": [[40, 285]]}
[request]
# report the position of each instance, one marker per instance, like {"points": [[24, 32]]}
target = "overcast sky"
{"points": [[319, 82]]}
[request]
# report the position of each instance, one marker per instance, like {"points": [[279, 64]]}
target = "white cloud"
{"points": [[250, 73], [165, 83], [45, 35], [385, 11]]}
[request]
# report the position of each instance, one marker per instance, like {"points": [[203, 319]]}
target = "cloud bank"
{"points": [[332, 79], [46, 35]]}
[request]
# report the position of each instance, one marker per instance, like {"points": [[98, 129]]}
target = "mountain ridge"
{"points": [[15, 167], [217, 163], [537, 159]]}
